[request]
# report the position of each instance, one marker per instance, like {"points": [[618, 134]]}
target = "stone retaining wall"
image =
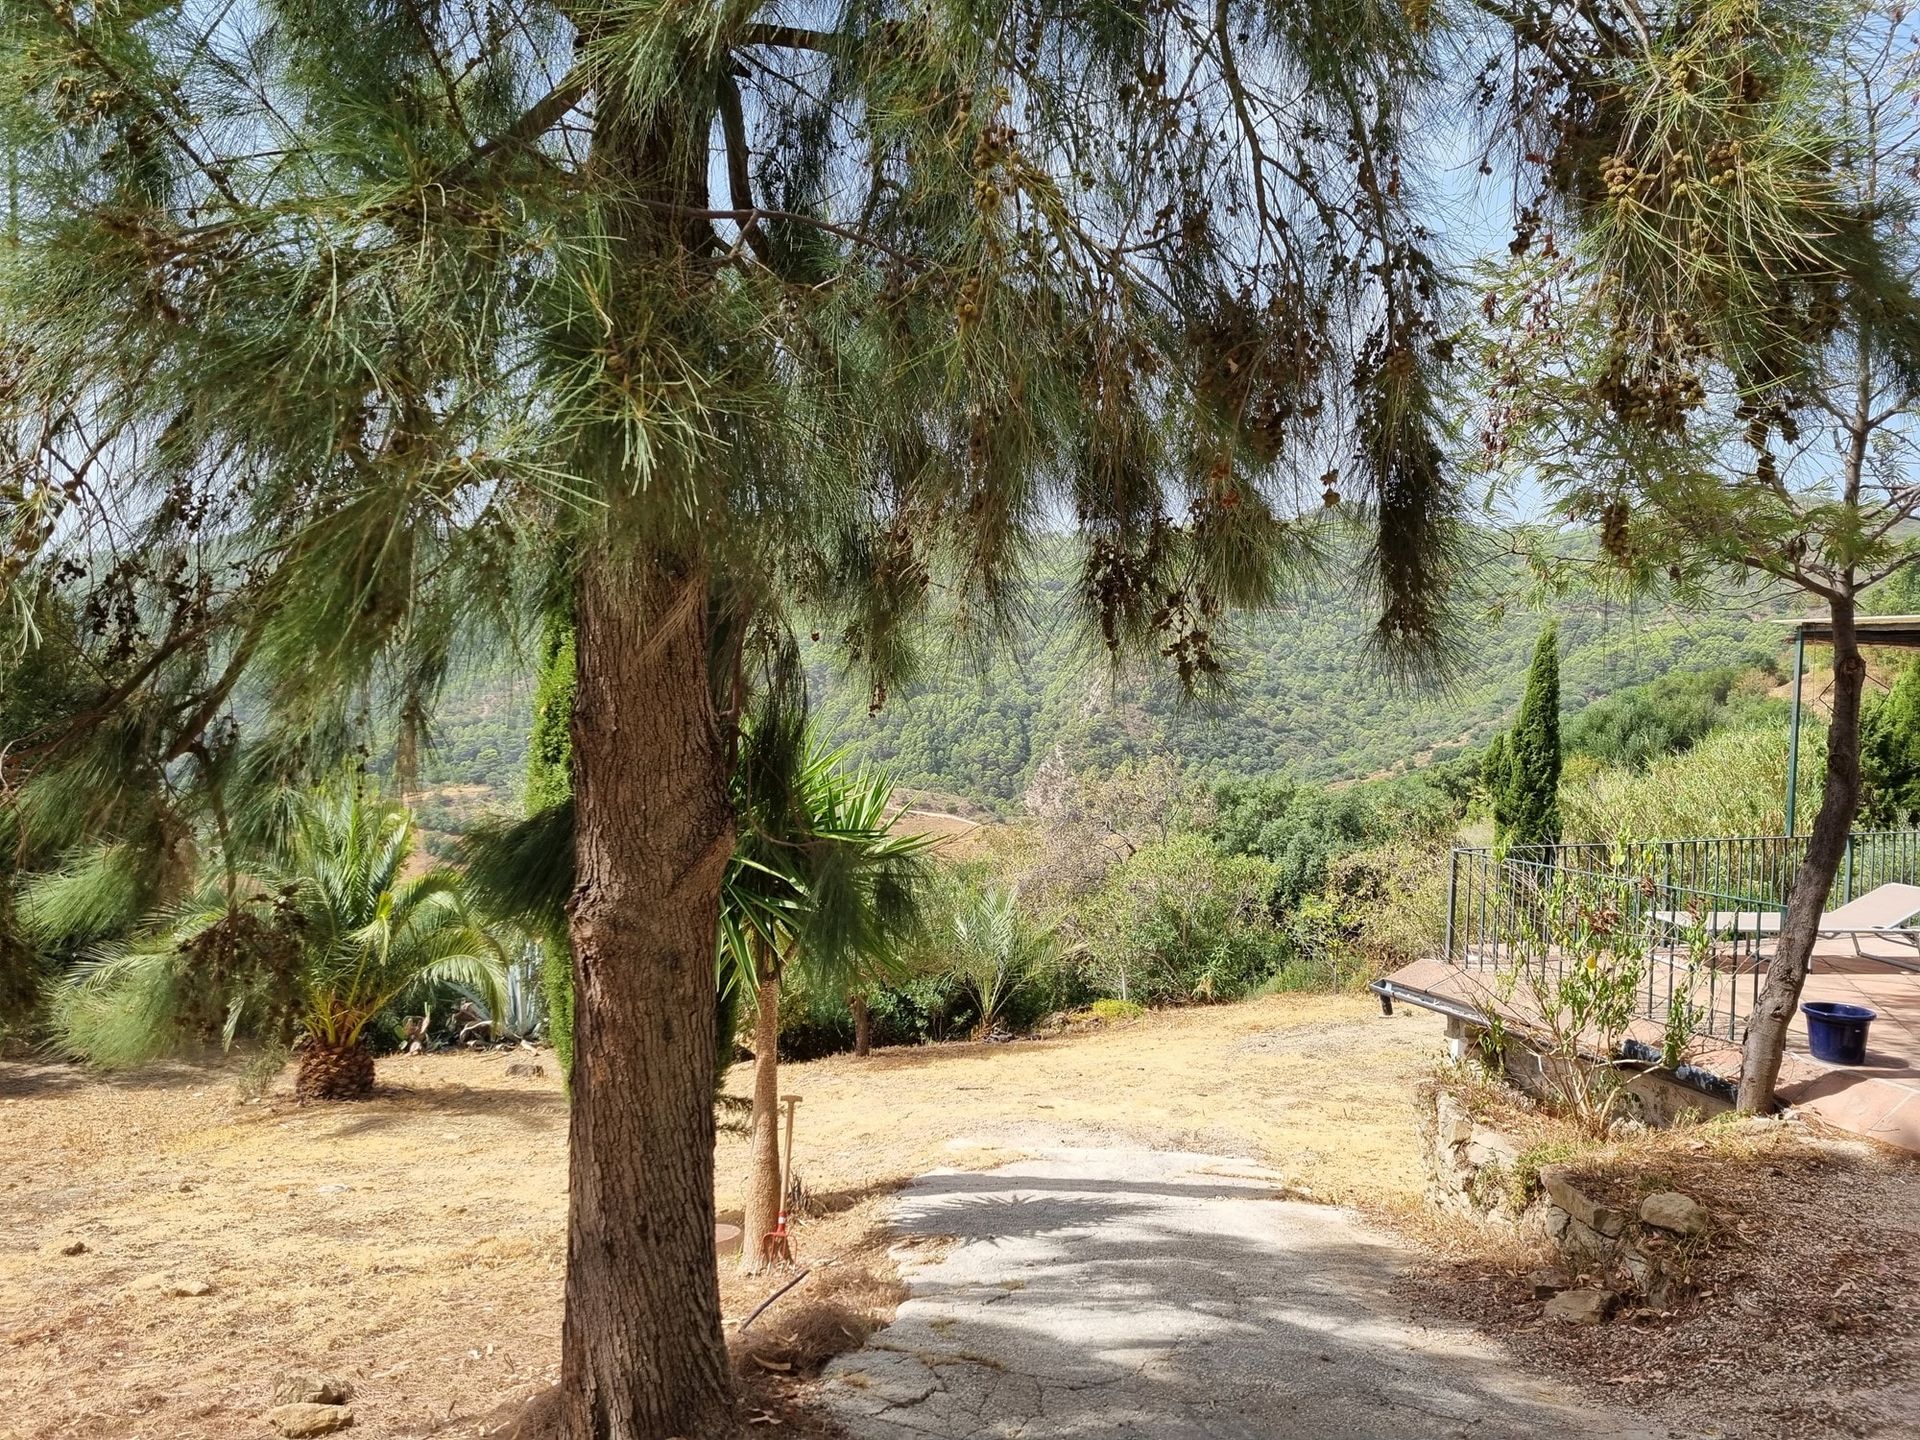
{"points": [[1471, 1167], [1474, 1170]]}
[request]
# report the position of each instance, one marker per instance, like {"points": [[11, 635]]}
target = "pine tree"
{"points": [[1531, 793], [358, 328], [1721, 370]]}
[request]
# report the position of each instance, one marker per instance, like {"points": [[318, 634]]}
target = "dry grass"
{"points": [[415, 1243]]}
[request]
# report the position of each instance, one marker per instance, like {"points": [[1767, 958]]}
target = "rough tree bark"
{"points": [[334, 1072], [762, 1210], [1813, 881], [642, 1357], [862, 1023]]}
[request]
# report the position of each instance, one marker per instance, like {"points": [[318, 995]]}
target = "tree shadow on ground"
{"points": [[1174, 1309], [31, 1079], [393, 1105]]}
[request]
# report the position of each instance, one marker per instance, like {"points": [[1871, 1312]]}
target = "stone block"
{"points": [[1580, 1205], [1580, 1307], [1670, 1210]]}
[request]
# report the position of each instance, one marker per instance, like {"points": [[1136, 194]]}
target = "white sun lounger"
{"points": [[1880, 914], [1723, 924]]}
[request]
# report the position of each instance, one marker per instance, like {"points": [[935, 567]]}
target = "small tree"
{"points": [[1707, 345], [820, 878], [1531, 788]]}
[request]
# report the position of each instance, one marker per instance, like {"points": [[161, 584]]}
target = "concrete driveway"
{"points": [[1115, 1291]]}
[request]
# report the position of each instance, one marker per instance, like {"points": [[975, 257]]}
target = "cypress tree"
{"points": [[1496, 776], [1532, 789], [549, 746], [550, 783]]}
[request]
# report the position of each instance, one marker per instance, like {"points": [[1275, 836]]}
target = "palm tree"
{"points": [[820, 878], [316, 939]]}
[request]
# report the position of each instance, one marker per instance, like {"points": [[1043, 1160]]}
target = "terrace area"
{"points": [[1689, 926]]}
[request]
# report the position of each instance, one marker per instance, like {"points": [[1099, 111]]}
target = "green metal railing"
{"points": [[1702, 911]]}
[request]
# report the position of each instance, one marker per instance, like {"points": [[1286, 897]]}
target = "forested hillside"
{"points": [[1303, 696]]}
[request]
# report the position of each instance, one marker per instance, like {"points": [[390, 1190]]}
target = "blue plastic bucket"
{"points": [[1837, 1033]]}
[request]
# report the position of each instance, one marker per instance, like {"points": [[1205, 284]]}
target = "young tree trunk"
{"points": [[1807, 900], [642, 1356], [862, 1023], [763, 1179]]}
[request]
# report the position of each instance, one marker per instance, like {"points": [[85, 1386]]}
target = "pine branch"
{"points": [[733, 128], [534, 122], [62, 15], [752, 215], [795, 37]]}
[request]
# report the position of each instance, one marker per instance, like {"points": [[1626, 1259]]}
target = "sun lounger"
{"points": [[1880, 914], [1722, 924]]}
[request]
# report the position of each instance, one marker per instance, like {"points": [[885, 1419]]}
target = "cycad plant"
{"points": [[821, 879], [993, 949], [316, 939]]}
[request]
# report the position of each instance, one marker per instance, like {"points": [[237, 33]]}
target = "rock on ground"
{"points": [[300, 1387], [1171, 1296], [1670, 1210], [295, 1421], [1580, 1307]]}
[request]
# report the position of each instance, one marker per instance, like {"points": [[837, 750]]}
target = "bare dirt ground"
{"points": [[414, 1243]]}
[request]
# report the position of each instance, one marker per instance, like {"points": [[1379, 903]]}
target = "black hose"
{"points": [[761, 1309]]}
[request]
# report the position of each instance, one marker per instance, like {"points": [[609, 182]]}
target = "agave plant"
{"points": [[318, 939]]}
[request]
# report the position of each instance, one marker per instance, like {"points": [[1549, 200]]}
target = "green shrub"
{"points": [[1523, 1180], [1890, 753], [1182, 921], [1110, 1010], [1638, 725]]}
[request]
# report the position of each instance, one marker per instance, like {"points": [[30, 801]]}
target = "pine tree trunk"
{"points": [[334, 1072], [763, 1179], [862, 1024], [642, 1356], [1779, 998]]}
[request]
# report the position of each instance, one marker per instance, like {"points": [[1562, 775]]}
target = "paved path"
{"points": [[1140, 1293]]}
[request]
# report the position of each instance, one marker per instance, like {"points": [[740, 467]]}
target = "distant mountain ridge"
{"points": [[1304, 697]]}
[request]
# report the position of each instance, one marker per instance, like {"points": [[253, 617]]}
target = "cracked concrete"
{"points": [[1116, 1291]]}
